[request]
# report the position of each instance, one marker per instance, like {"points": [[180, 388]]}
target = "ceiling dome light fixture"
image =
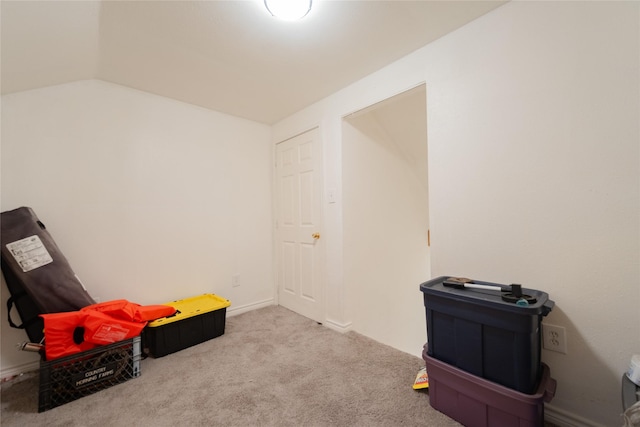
{"points": [[289, 10]]}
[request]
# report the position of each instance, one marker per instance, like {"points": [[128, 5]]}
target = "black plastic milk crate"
{"points": [[69, 378], [479, 332]]}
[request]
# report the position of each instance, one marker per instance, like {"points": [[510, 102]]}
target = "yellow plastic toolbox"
{"points": [[197, 319]]}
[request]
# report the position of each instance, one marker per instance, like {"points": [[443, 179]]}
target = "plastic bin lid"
{"points": [[536, 301], [193, 306]]}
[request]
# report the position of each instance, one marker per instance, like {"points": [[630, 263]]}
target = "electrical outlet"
{"points": [[235, 280], [554, 338]]}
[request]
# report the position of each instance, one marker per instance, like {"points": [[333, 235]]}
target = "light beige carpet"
{"points": [[272, 367]]}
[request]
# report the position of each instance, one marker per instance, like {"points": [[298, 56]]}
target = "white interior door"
{"points": [[298, 223]]}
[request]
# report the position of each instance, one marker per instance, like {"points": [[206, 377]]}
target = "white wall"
{"points": [[150, 199], [534, 106], [534, 176], [386, 219]]}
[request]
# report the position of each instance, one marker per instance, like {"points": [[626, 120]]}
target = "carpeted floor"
{"points": [[272, 367]]}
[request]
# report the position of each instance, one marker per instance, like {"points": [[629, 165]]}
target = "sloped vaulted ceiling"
{"points": [[228, 56]]}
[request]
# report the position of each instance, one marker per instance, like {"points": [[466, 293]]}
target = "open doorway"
{"points": [[386, 218]]}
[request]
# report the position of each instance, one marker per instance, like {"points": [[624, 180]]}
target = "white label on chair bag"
{"points": [[30, 253]]}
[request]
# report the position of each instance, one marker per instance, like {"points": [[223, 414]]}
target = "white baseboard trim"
{"points": [[234, 311], [562, 418], [337, 326], [14, 371]]}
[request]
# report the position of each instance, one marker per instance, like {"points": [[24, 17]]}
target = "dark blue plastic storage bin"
{"points": [[477, 331]]}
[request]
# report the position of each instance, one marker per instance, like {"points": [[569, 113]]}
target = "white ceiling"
{"points": [[228, 56]]}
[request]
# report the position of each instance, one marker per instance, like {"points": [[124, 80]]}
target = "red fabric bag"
{"points": [[119, 308], [77, 331], [147, 313], [123, 309], [101, 328], [97, 324], [64, 334]]}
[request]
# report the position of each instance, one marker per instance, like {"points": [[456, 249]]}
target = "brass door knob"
{"points": [[316, 236]]}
